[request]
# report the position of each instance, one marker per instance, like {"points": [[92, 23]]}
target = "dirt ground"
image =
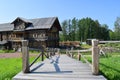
{"points": [[14, 55]]}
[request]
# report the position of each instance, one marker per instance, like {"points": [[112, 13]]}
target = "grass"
{"points": [[85, 46], [34, 51], [12, 51], [7, 51], [109, 66], [9, 67]]}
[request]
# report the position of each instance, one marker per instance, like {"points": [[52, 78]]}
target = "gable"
{"points": [[19, 25], [54, 29]]}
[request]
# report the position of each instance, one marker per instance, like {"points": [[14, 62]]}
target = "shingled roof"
{"points": [[23, 19], [6, 27], [38, 23]]}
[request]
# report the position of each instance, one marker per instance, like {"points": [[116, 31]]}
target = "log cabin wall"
{"points": [[53, 37], [37, 38], [41, 31], [0, 36]]}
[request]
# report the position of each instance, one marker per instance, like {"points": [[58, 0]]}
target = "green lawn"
{"points": [[109, 66], [12, 51], [85, 46], [9, 67], [7, 51]]}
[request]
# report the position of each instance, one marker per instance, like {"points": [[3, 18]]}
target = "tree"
{"points": [[64, 30], [74, 27], [105, 32], [82, 29], [117, 28], [112, 35], [88, 28]]}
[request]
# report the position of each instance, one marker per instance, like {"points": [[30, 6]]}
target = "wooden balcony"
{"points": [[39, 38], [18, 39]]}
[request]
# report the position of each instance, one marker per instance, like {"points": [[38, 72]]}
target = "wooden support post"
{"points": [[95, 57], [25, 57], [42, 57], [43, 49], [79, 56]]}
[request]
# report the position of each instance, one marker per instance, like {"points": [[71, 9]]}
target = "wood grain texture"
{"points": [[59, 68]]}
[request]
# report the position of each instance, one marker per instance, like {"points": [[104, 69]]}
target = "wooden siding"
{"points": [[48, 38], [19, 25]]}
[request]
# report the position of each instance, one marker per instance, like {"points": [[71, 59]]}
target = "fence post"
{"points": [[25, 57], [79, 56], [95, 57], [43, 50], [42, 57]]}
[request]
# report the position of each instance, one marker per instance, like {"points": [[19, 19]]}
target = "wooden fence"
{"points": [[95, 56], [25, 55]]}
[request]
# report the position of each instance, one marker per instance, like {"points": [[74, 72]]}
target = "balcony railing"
{"points": [[18, 38], [39, 38]]}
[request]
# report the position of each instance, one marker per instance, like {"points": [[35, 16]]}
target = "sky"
{"points": [[105, 11]]}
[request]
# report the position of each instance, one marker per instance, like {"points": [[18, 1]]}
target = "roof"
{"points": [[3, 42], [23, 19], [6, 27], [42, 23], [38, 23]]}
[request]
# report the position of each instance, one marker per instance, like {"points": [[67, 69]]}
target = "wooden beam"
{"points": [[25, 57], [95, 57], [109, 42]]}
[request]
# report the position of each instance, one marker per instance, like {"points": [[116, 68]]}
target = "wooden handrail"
{"points": [[78, 52], [35, 60], [86, 60], [95, 56]]}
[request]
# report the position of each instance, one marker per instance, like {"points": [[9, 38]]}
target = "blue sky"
{"points": [[105, 11]]}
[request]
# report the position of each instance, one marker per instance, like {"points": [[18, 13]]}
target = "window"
{"points": [[35, 35]]}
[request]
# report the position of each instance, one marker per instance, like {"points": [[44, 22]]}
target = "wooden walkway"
{"points": [[59, 68]]}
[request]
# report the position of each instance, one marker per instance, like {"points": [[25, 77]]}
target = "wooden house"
{"points": [[39, 31]]}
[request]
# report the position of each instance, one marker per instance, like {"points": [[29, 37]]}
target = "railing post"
{"points": [[25, 57], [79, 56], [43, 49], [42, 57], [95, 57]]}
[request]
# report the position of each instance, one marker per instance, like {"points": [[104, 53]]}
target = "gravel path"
{"points": [[13, 55]]}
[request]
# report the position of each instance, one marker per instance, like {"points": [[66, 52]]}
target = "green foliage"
{"points": [[109, 66], [112, 35], [117, 28], [104, 32], [82, 29], [7, 51]]}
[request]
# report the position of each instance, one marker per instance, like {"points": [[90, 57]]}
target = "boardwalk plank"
{"points": [[59, 68]]}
